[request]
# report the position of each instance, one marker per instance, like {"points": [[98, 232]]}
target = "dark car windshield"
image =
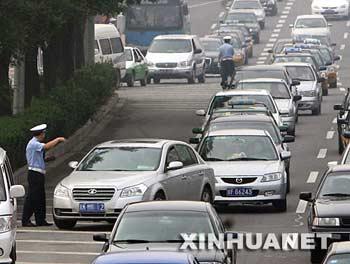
{"points": [[225, 102], [235, 148], [171, 46], [211, 45], [310, 23], [278, 90], [296, 58], [246, 5], [335, 185], [268, 126], [326, 55], [122, 159], [241, 18], [339, 259], [162, 226], [301, 73]]}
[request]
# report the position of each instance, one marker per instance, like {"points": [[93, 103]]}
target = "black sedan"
{"points": [[157, 225], [343, 122], [329, 212]]}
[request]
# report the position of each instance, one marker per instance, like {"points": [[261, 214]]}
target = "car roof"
{"points": [[340, 247], [243, 92], [293, 54], [270, 67], [167, 206], [210, 39], [241, 11], [175, 36], [138, 142], [294, 64], [340, 168], [238, 132], [144, 257], [310, 16], [2, 155], [242, 118], [269, 80]]}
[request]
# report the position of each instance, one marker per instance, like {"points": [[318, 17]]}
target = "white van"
{"points": [[109, 47], [8, 210]]}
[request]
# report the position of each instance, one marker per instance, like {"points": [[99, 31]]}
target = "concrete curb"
{"points": [[78, 140]]}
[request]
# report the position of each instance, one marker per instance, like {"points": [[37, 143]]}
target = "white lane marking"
{"points": [[334, 121], [275, 35], [221, 14], [260, 62], [301, 207], [272, 39], [57, 253], [288, 8], [269, 45], [283, 16], [340, 84], [348, 24], [342, 89], [322, 154], [262, 58], [341, 57], [290, 3], [342, 46], [213, 26], [312, 177], [264, 54], [57, 241], [286, 12], [204, 4], [330, 134], [279, 25], [282, 21], [277, 30], [346, 35]]}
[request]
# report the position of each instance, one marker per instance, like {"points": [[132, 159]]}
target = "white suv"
{"points": [[8, 210]]}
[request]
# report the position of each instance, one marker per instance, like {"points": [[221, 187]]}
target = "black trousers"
{"points": [[35, 201], [227, 70]]}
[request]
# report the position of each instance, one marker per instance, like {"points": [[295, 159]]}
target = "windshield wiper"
{"points": [[132, 241], [247, 158], [280, 97], [337, 194]]}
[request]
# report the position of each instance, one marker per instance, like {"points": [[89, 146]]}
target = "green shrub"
{"points": [[66, 109]]}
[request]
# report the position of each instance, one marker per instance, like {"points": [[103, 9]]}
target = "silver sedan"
{"points": [[117, 173]]}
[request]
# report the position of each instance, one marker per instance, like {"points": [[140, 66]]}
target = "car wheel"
{"points": [[156, 80], [131, 80], [280, 205], [13, 254], [192, 79], [340, 145], [288, 180], [159, 196], [316, 111], [144, 81], [65, 224], [206, 195]]}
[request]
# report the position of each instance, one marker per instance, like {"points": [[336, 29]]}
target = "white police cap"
{"points": [[227, 38], [39, 128]]}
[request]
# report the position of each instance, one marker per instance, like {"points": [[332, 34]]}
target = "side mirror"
{"points": [[333, 44], [329, 64], [306, 196], [323, 68], [197, 130], [100, 237], [336, 58], [321, 79], [332, 164], [73, 164], [285, 155], [270, 51], [198, 51], [346, 134], [230, 235], [195, 141], [288, 139], [338, 107], [175, 165], [297, 98], [283, 128], [17, 191], [295, 82], [200, 112]]}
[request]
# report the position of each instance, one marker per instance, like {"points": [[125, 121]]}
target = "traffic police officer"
{"points": [[35, 153], [226, 62]]}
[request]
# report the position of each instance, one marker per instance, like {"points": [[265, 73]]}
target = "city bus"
{"points": [[153, 18]]}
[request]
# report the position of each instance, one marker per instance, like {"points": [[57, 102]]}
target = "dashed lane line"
{"points": [[346, 35], [342, 46], [301, 207], [288, 8], [334, 121], [348, 24], [277, 30], [272, 39], [279, 25], [282, 21], [312, 177], [283, 16], [286, 12], [342, 89], [274, 35], [322, 154], [213, 26], [330, 134], [221, 14]]}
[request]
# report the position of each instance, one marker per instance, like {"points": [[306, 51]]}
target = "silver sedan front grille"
{"points": [[93, 194]]}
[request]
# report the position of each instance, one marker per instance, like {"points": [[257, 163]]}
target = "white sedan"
{"points": [[331, 9]]}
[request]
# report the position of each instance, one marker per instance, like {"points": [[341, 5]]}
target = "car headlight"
{"points": [[150, 63], [137, 190], [184, 64], [311, 93], [326, 221], [272, 177], [6, 224], [61, 191]]}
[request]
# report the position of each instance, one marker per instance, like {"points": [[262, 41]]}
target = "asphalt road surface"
{"points": [[167, 111]]}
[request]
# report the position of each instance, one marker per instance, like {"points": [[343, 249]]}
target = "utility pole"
{"points": [[89, 41], [18, 87]]}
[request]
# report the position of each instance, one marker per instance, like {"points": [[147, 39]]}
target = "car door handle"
{"points": [[184, 177]]}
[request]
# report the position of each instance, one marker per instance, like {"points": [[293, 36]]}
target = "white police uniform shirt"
{"points": [[35, 152]]}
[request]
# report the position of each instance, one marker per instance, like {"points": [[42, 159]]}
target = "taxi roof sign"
{"points": [[312, 41]]}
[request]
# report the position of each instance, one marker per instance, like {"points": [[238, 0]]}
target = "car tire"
{"points": [[160, 196], [206, 195], [316, 111], [13, 254], [192, 79], [340, 145], [144, 81], [288, 180], [280, 205], [156, 80], [65, 224], [131, 80]]}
